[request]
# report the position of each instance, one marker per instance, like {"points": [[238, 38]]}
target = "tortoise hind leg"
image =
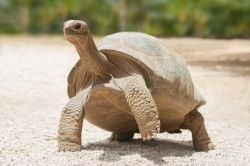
{"points": [[194, 121], [121, 137]]}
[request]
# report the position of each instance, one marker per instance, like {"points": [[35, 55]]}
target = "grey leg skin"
{"points": [[121, 137], [70, 127], [194, 121]]}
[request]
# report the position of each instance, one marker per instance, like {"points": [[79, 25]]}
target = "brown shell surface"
{"points": [[165, 66]]}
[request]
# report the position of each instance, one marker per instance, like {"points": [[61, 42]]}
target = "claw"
{"points": [[149, 136]]}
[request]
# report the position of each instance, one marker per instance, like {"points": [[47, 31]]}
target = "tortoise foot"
{"points": [[205, 147], [64, 146], [121, 137]]}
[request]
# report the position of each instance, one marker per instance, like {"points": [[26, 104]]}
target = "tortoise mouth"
{"points": [[72, 32]]}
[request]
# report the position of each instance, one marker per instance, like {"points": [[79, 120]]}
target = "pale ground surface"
{"points": [[33, 92]]}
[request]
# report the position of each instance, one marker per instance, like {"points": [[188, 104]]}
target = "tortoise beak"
{"points": [[65, 28]]}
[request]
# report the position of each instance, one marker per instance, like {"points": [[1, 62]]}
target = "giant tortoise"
{"points": [[129, 83]]}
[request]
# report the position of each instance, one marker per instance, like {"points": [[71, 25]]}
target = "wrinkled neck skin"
{"points": [[97, 62]]}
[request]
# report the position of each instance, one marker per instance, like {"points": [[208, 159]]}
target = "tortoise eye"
{"points": [[77, 26]]}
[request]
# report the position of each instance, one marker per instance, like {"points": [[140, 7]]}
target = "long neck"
{"points": [[97, 62]]}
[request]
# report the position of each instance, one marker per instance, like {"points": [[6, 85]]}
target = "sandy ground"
{"points": [[33, 75]]}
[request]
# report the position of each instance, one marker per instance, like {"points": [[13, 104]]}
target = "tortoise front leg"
{"points": [[142, 106], [194, 121], [70, 127]]}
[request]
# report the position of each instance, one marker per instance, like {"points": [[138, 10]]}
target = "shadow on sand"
{"points": [[153, 150]]}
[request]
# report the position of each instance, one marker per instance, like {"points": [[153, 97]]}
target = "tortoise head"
{"points": [[76, 31]]}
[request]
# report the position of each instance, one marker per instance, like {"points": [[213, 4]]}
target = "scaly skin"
{"points": [[194, 121], [143, 108], [70, 127]]}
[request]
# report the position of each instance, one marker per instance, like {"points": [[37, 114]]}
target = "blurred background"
{"points": [[200, 18]]}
